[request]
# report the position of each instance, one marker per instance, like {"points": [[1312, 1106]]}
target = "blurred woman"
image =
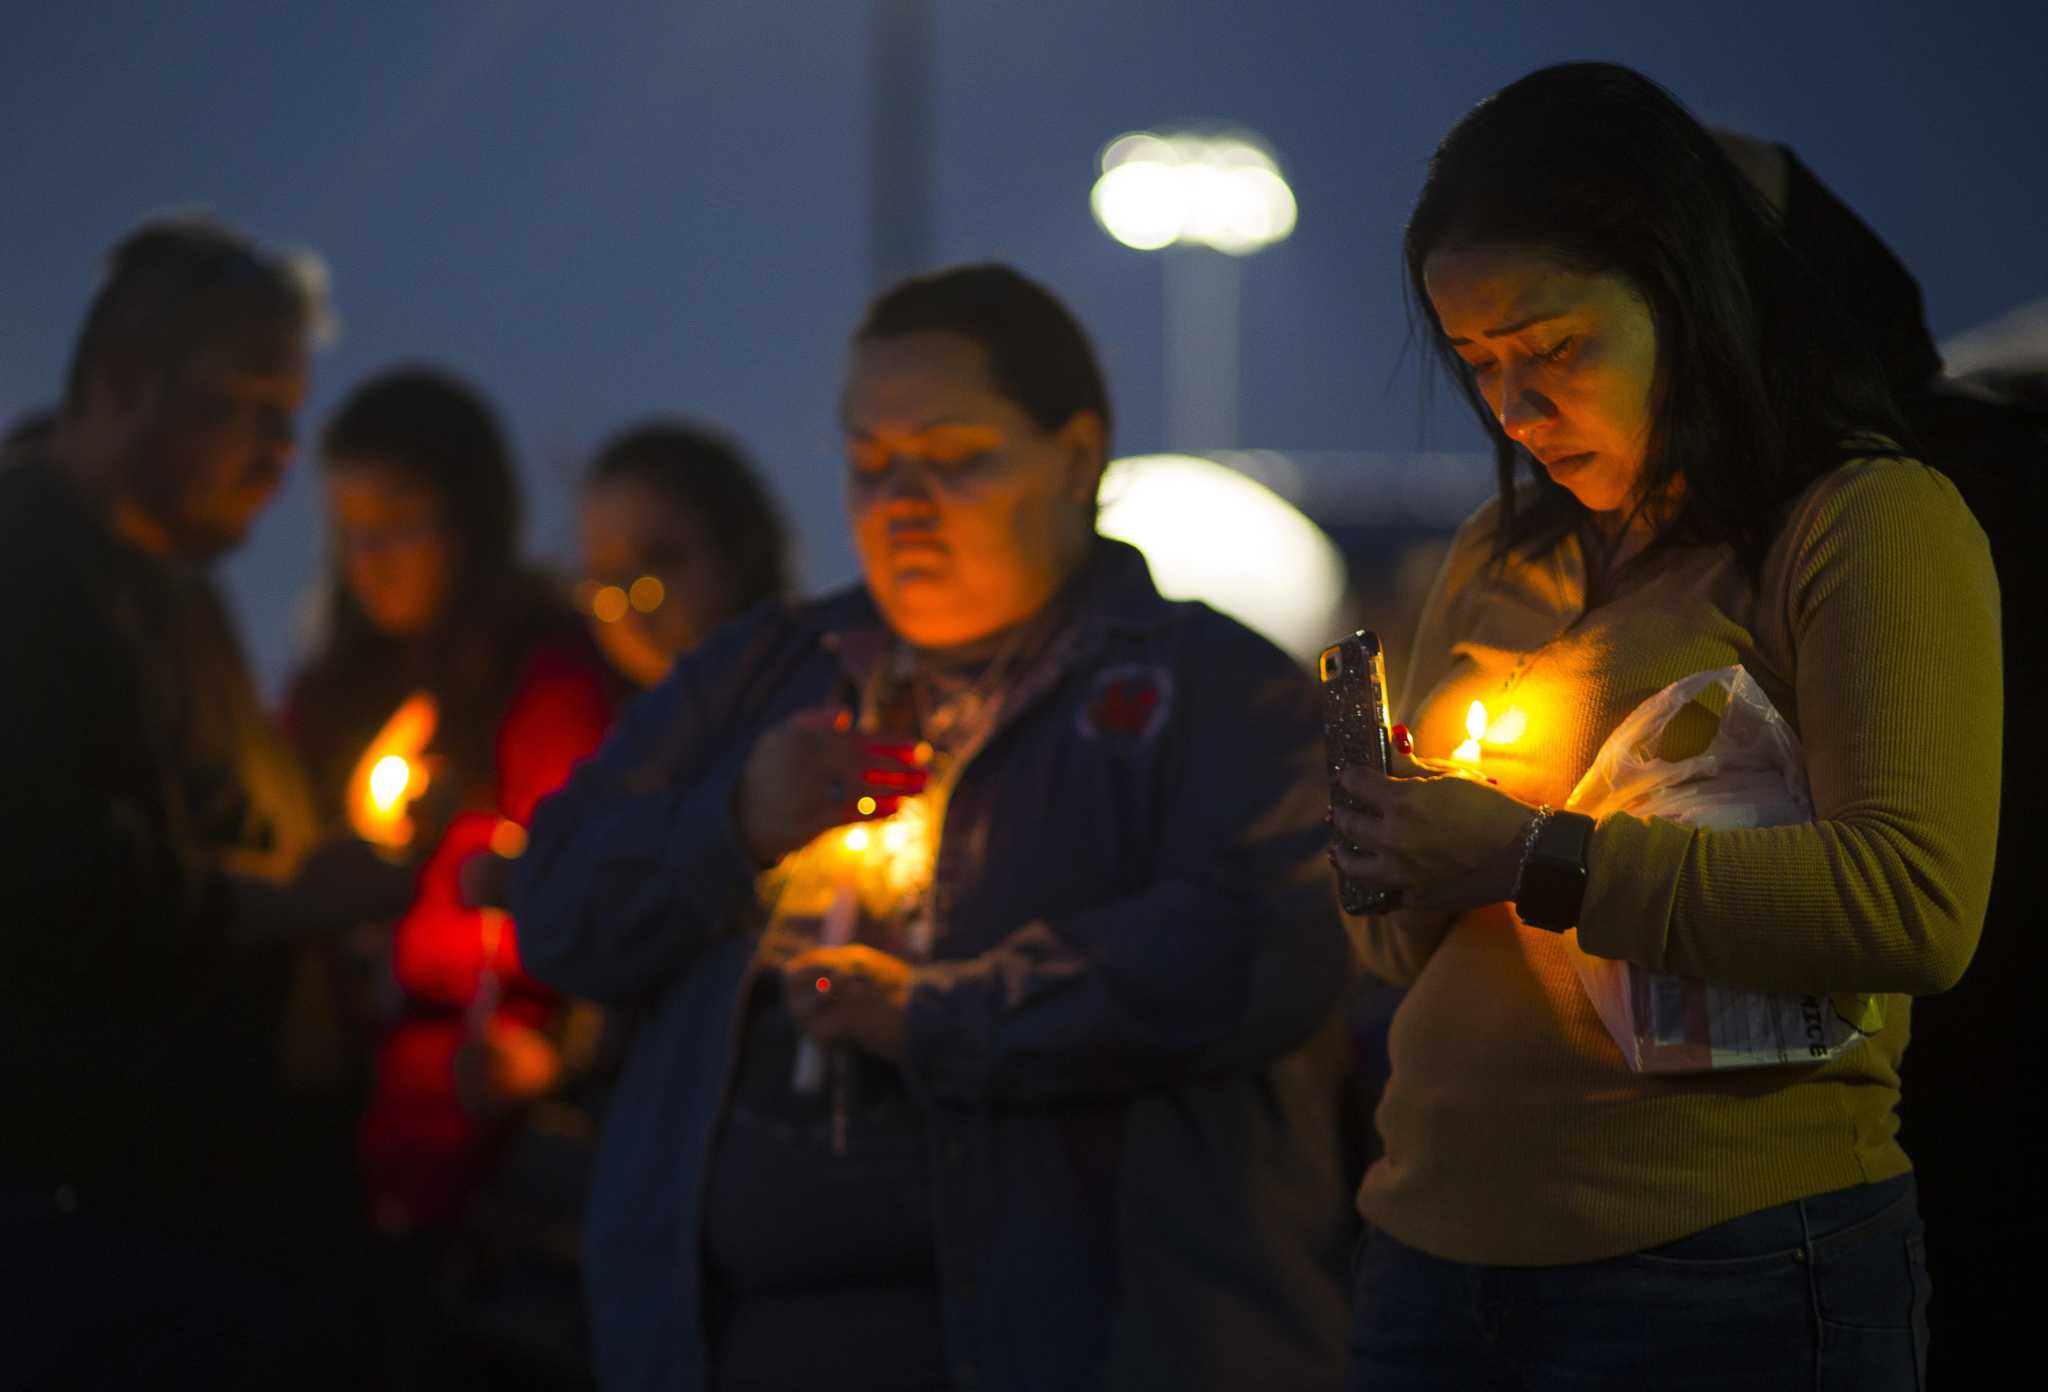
{"points": [[428, 597], [679, 536], [974, 921], [1700, 466]]}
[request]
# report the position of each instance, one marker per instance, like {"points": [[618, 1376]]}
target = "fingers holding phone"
{"points": [[814, 772], [1359, 744]]}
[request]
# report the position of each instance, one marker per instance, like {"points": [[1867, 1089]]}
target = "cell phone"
{"points": [[1357, 732]]}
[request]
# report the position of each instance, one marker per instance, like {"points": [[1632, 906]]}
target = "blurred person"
{"points": [[156, 845], [427, 594], [1973, 1106], [682, 506], [1700, 465], [28, 434], [675, 520], [1065, 1111]]}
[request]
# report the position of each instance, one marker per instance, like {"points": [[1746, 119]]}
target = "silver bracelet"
{"points": [[1536, 825]]}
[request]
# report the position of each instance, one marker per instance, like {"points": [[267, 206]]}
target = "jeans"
{"points": [[1818, 1294]]}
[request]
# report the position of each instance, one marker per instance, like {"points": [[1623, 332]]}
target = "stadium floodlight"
{"points": [[1221, 190], [1211, 533]]}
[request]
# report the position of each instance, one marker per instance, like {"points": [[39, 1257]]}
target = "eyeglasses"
{"points": [[609, 603]]}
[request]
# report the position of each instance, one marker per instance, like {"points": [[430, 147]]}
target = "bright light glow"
{"points": [[508, 839], [609, 604], [1508, 728], [1223, 191], [647, 594], [387, 782], [1210, 533], [1475, 728], [865, 806], [885, 864], [391, 773]]}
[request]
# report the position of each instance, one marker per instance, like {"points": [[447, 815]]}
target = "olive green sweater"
{"points": [[1515, 1135]]}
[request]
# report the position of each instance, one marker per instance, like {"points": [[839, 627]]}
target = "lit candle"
{"points": [[1475, 730], [391, 774], [1482, 732]]}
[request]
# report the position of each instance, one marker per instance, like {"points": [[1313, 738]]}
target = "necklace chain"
{"points": [[963, 712]]}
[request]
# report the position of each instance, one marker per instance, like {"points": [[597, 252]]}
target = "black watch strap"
{"points": [[1553, 884]]}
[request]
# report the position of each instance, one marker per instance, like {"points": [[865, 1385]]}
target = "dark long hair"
{"points": [[1760, 378], [709, 476], [440, 433]]}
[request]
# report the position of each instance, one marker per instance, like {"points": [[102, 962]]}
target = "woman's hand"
{"points": [[811, 773], [853, 994], [502, 1066], [1444, 839]]}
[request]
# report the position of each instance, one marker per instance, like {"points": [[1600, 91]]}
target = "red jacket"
{"points": [[420, 1151]]}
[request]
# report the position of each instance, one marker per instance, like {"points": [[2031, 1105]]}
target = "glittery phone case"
{"points": [[1356, 730]]}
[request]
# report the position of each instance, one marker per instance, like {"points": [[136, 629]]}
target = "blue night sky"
{"points": [[605, 210]]}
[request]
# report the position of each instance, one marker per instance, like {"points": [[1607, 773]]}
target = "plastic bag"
{"points": [[1752, 773]]}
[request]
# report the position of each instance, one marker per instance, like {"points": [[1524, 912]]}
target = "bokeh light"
{"points": [[647, 594], [388, 781], [1210, 533], [1223, 191]]}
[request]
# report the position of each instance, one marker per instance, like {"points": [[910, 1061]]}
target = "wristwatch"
{"points": [[1552, 886]]}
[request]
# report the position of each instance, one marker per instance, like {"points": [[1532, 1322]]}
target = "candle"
{"points": [[391, 774], [1481, 732], [837, 930], [1475, 729]]}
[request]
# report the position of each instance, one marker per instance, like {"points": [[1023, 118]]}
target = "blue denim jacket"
{"points": [[1125, 1039]]}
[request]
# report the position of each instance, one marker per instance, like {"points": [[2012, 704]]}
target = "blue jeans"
{"points": [[1819, 1294]]}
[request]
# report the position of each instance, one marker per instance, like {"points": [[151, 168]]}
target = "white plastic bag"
{"points": [[1752, 773]]}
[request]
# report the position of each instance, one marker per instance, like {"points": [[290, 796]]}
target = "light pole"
{"points": [[900, 68], [1205, 199]]}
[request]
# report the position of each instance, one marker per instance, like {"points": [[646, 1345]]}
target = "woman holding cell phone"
{"points": [[977, 930], [1700, 467]]}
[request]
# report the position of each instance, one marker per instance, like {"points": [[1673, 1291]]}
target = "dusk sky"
{"points": [[601, 211]]}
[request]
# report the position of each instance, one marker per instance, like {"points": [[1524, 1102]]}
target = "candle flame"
{"points": [[392, 773], [1475, 729], [887, 862], [388, 781]]}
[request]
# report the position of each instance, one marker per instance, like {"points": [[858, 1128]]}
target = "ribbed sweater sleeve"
{"points": [[1882, 595]]}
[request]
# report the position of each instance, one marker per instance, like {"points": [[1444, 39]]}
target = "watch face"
{"points": [[1554, 880]]}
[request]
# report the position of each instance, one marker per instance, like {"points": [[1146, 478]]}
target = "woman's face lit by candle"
{"points": [[967, 514], [398, 557], [1566, 360]]}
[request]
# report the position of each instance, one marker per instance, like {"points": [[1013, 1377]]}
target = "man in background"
{"points": [[153, 843]]}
